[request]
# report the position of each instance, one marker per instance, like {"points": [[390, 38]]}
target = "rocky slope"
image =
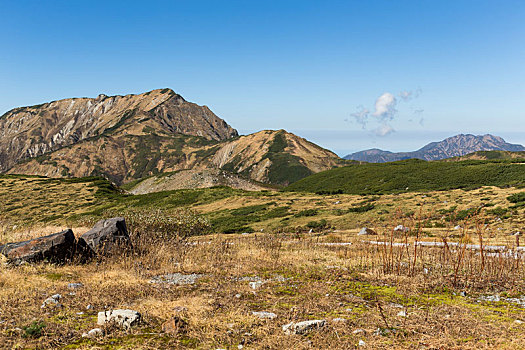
{"points": [[188, 179], [455, 146], [124, 138]]}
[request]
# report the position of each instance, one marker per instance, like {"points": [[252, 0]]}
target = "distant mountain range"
{"points": [[455, 146]]}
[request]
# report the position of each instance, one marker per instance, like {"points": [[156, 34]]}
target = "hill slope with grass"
{"points": [[413, 175]]}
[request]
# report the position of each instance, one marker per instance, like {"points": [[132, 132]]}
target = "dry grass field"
{"points": [[372, 296]]}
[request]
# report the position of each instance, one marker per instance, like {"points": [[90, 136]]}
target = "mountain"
{"points": [[454, 146], [28, 132], [125, 138]]}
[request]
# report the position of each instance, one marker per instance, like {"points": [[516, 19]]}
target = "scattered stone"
{"points": [[401, 228], [94, 333], [176, 278], [89, 307], [57, 247], [339, 320], [264, 315], [121, 318], [105, 237], [358, 331], [302, 327], [518, 322], [457, 227], [365, 231], [174, 325], [75, 285], [401, 314], [256, 284], [52, 300], [180, 309], [336, 244], [362, 343], [80, 313], [238, 296]]}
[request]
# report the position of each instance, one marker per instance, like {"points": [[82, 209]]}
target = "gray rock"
{"points": [[303, 327], [75, 285], [105, 237], [57, 247], [256, 284], [264, 315], [53, 300], [401, 228], [366, 231], [121, 318], [339, 320], [176, 278]]}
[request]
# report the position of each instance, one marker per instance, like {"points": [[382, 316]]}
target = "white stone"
{"points": [[302, 327], [362, 343], [256, 284], [264, 315], [122, 318], [52, 300], [95, 332]]}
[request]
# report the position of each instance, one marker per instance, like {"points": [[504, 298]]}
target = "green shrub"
{"points": [[306, 212], [34, 330]]}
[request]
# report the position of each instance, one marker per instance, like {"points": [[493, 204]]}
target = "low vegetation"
{"points": [[381, 290], [413, 175]]}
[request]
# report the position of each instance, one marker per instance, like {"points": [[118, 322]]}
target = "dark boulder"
{"points": [[105, 237], [58, 247]]}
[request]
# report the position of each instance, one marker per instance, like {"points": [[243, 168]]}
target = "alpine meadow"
{"points": [[262, 175]]}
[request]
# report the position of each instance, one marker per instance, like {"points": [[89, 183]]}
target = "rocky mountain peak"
{"points": [[455, 146], [28, 132]]}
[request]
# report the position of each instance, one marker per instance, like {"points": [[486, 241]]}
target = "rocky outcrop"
{"points": [[106, 237], [58, 247], [455, 146]]}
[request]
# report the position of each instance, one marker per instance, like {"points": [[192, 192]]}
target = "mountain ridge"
{"points": [[125, 138], [454, 146]]}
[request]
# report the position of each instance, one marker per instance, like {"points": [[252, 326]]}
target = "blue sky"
{"points": [[309, 67]]}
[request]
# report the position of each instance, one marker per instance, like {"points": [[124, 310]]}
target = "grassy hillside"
{"points": [[36, 201], [490, 155], [413, 175]]}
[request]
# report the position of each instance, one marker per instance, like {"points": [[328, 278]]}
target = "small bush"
{"points": [[34, 330]]}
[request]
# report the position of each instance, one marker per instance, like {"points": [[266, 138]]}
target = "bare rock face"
{"points": [[58, 247], [105, 237]]}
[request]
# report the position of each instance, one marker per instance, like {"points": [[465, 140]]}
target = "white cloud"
{"points": [[385, 107], [385, 112], [361, 116], [384, 130], [410, 95]]}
